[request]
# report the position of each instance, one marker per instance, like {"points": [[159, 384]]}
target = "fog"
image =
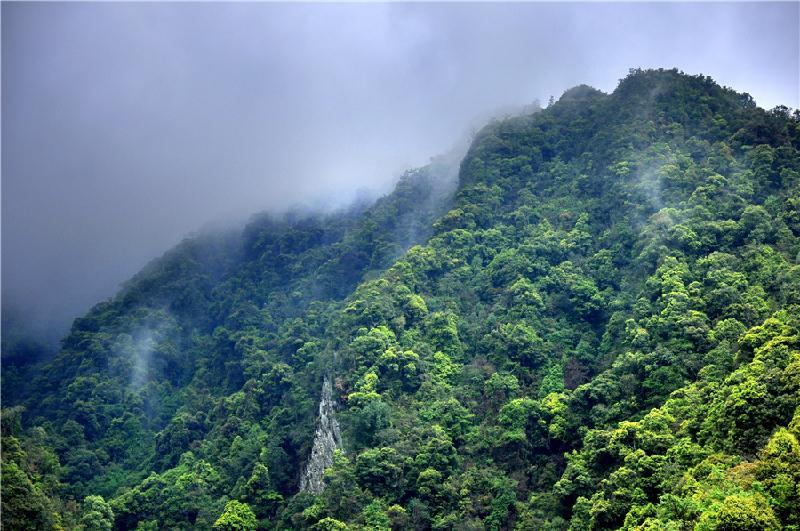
{"points": [[127, 126]]}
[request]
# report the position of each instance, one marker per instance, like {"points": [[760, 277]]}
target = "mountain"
{"points": [[595, 326]]}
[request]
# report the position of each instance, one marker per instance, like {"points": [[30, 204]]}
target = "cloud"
{"points": [[127, 126]]}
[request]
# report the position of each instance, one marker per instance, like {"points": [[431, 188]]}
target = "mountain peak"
{"points": [[598, 326], [581, 92]]}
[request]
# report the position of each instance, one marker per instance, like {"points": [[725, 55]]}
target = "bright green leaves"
{"points": [[778, 470], [402, 366], [365, 390], [663, 474], [368, 347], [97, 514], [236, 517], [739, 512], [442, 333]]}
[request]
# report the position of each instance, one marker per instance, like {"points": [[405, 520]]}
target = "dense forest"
{"points": [[591, 321]]}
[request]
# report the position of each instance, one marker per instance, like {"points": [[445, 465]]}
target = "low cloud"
{"points": [[127, 126]]}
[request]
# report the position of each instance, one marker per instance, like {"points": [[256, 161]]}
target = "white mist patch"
{"points": [[648, 182], [143, 347]]}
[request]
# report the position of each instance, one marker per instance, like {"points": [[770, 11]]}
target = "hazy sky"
{"points": [[127, 126]]}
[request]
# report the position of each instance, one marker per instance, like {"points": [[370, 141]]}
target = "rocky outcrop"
{"points": [[326, 439]]}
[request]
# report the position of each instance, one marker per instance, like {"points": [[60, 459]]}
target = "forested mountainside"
{"points": [[596, 327]]}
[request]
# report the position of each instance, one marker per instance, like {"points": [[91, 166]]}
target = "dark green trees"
{"points": [[597, 330]]}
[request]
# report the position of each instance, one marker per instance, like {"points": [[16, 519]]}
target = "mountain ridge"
{"points": [[601, 264]]}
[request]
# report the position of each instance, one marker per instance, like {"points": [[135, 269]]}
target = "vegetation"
{"points": [[599, 328]]}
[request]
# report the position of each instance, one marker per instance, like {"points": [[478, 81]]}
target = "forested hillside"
{"points": [[596, 327]]}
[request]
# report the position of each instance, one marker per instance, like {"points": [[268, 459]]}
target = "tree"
{"points": [[740, 512], [97, 514], [237, 517]]}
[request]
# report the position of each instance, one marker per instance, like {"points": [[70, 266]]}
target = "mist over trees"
{"points": [[128, 126], [594, 325]]}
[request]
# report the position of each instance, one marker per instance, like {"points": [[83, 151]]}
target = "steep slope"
{"points": [[600, 332], [600, 257], [150, 374]]}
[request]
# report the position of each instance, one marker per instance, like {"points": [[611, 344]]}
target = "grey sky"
{"points": [[127, 126]]}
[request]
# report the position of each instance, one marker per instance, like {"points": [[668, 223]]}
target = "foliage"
{"points": [[237, 517], [597, 329]]}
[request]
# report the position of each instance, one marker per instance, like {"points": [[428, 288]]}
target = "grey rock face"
{"points": [[326, 439]]}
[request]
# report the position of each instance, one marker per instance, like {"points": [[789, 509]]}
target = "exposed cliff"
{"points": [[327, 439]]}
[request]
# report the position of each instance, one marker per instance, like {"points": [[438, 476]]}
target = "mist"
{"points": [[126, 127]]}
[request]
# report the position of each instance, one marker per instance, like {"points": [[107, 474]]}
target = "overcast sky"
{"points": [[127, 126]]}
